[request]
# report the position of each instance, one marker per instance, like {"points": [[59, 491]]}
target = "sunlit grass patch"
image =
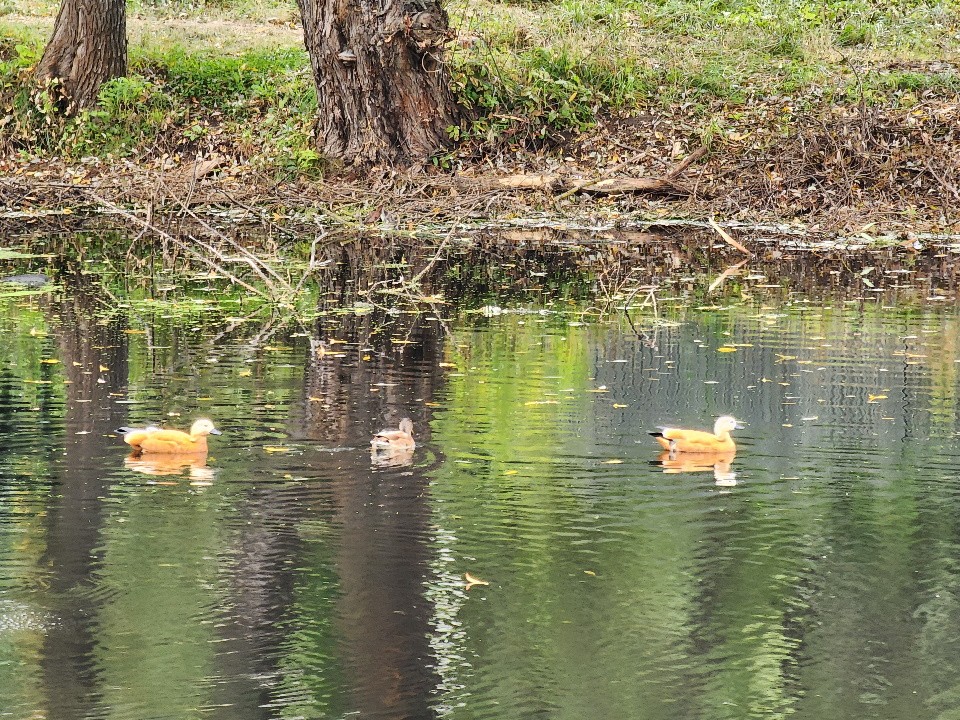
{"points": [[557, 63]]}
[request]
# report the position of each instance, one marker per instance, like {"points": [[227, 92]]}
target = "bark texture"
{"points": [[87, 48], [382, 86]]}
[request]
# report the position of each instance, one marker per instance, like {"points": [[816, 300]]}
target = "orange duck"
{"points": [[699, 441], [153, 439], [395, 440]]}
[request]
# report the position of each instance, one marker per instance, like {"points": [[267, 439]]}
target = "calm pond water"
{"points": [[291, 576]]}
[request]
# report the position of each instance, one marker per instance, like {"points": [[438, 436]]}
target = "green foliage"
{"points": [[553, 67], [532, 71], [545, 91], [853, 34], [172, 101]]}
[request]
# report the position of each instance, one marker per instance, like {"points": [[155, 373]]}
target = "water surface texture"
{"points": [[291, 575]]}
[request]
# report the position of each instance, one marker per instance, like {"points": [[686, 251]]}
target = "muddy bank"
{"points": [[850, 171]]}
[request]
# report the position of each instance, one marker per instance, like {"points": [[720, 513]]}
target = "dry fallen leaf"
{"points": [[471, 580]]}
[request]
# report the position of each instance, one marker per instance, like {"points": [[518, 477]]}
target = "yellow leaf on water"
{"points": [[50, 361], [614, 461], [446, 364], [275, 448], [511, 472], [471, 580], [314, 399], [589, 572], [104, 368], [245, 373], [874, 398], [726, 348], [620, 405]]}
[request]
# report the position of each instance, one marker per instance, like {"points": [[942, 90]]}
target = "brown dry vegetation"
{"points": [[874, 166]]}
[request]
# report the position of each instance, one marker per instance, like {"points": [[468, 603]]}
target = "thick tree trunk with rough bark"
{"points": [[382, 86], [87, 48]]}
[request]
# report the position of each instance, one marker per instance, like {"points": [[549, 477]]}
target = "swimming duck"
{"points": [[699, 441], [153, 439], [395, 440]]}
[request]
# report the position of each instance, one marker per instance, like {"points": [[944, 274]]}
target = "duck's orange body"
{"points": [[172, 442], [677, 440], [395, 440]]}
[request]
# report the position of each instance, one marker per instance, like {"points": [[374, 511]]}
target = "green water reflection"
{"points": [[289, 577]]}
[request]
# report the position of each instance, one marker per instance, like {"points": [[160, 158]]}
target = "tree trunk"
{"points": [[382, 86], [87, 48]]}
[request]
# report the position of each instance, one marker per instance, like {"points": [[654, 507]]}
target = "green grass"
{"points": [[533, 68], [175, 101]]}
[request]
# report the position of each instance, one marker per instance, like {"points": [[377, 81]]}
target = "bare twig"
{"points": [[187, 247], [727, 238], [686, 162], [587, 183]]}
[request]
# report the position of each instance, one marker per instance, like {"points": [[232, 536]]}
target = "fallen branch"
{"points": [[179, 242], [686, 162], [599, 186], [607, 185]]}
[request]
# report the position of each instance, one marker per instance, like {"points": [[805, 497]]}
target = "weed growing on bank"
{"points": [[258, 106], [527, 73]]}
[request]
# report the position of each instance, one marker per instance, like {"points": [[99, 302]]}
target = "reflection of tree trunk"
{"points": [[378, 381], [383, 616], [380, 616], [384, 550], [87, 48], [382, 87], [74, 520]]}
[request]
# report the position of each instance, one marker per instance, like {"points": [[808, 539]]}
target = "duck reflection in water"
{"points": [[193, 464], [393, 448], [719, 462]]}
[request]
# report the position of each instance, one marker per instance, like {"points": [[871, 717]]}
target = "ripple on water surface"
{"points": [[288, 573]]}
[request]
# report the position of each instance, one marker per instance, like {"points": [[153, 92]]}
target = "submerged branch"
{"points": [[187, 247]]}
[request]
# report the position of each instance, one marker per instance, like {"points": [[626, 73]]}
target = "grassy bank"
{"points": [[590, 79], [526, 70]]}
